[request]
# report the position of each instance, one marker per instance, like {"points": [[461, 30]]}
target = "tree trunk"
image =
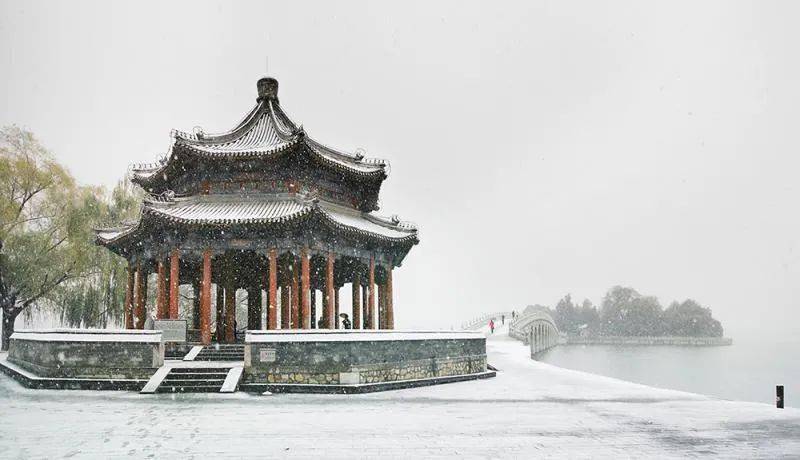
{"points": [[8, 327]]}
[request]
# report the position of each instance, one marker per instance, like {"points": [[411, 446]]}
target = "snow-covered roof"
{"points": [[109, 234], [234, 209], [264, 132], [222, 209]]}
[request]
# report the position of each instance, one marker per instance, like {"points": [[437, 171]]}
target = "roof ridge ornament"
{"points": [[307, 196], [267, 88], [167, 196]]}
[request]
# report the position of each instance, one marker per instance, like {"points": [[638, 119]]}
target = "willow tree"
{"points": [[96, 298], [43, 226]]}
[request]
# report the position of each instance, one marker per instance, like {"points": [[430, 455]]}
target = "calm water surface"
{"points": [[748, 370]]}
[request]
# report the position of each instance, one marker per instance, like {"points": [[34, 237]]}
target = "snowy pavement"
{"points": [[530, 410]]}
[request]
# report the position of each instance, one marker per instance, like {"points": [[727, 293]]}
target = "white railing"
{"points": [[480, 321], [536, 328], [521, 325]]}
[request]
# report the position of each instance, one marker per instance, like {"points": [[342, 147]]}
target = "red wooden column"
{"points": [[389, 301], [140, 296], [129, 298], [295, 322], [174, 283], [371, 294], [161, 289], [357, 301], [329, 292], [272, 305], [305, 288], [205, 300]]}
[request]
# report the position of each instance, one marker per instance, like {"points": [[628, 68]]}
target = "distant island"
{"points": [[628, 317]]}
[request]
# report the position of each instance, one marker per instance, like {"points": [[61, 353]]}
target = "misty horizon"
{"points": [[541, 151]]}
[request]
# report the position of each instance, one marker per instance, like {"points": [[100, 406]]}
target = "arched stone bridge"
{"points": [[535, 327]]}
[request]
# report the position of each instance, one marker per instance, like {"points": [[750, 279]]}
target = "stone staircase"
{"points": [[193, 380], [221, 352]]}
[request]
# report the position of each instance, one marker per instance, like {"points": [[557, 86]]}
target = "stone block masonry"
{"points": [[352, 357], [88, 354]]}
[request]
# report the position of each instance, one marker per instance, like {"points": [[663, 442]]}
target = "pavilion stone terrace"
{"points": [[264, 208]]}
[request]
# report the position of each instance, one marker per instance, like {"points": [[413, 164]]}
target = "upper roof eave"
{"points": [[263, 132]]}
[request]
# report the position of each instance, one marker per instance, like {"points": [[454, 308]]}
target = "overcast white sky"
{"points": [[543, 148]]}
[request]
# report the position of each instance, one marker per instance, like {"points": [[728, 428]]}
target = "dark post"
{"points": [[779, 396], [313, 308]]}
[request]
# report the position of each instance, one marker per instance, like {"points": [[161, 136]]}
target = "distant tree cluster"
{"points": [[625, 312], [572, 318]]}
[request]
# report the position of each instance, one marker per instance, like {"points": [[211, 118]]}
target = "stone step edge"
{"points": [[207, 389], [193, 353], [155, 380], [232, 380]]}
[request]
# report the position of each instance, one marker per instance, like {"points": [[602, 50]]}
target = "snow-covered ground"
{"points": [[530, 410]]}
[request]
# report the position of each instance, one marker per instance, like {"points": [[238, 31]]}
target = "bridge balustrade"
{"points": [[536, 328], [481, 321]]}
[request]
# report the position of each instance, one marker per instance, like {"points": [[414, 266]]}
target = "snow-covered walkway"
{"points": [[530, 410]]}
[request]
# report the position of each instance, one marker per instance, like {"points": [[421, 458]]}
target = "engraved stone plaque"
{"points": [[172, 330], [268, 355]]}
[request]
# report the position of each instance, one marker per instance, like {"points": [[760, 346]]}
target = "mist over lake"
{"points": [[748, 370]]}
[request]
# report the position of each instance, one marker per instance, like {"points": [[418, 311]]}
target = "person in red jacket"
{"points": [[491, 325]]}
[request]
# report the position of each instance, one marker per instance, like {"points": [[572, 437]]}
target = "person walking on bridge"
{"points": [[491, 326]]}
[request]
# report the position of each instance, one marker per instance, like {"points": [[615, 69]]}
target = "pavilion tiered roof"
{"points": [[265, 132]]}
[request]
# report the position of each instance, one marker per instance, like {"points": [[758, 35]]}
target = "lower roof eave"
{"points": [[124, 243]]}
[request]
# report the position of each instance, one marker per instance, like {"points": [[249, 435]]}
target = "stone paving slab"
{"points": [[530, 410]]}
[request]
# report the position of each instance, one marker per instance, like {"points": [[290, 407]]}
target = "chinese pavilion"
{"points": [[266, 209]]}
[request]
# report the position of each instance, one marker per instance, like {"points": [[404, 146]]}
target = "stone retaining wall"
{"points": [[360, 357], [82, 353], [667, 340]]}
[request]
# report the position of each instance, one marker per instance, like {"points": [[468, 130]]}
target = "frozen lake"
{"points": [[530, 409], [748, 370]]}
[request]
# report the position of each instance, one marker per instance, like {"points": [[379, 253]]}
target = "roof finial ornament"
{"points": [[267, 88], [360, 154], [312, 196], [198, 132]]}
